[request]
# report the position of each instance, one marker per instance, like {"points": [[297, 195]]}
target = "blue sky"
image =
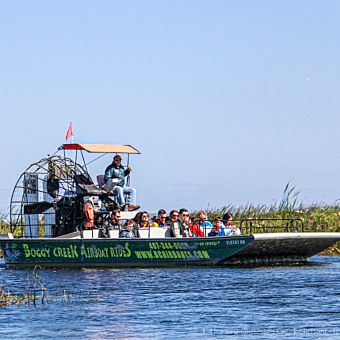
{"points": [[228, 101]]}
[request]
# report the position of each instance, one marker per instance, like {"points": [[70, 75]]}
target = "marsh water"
{"points": [[300, 302]]}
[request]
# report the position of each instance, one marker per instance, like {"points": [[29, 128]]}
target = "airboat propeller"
{"points": [[37, 208]]}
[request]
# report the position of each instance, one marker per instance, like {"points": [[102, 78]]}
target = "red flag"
{"points": [[69, 132]]}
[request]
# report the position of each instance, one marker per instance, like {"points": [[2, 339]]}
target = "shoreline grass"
{"points": [[314, 217]]}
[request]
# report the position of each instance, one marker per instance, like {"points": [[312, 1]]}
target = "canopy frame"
{"points": [[101, 148]]}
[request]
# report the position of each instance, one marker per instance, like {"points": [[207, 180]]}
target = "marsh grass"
{"points": [[316, 218], [7, 298], [35, 292], [265, 218]]}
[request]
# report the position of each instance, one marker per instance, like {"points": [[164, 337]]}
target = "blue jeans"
{"points": [[120, 193]]}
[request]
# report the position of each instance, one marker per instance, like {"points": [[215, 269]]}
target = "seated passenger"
{"points": [[127, 231], [116, 171], [230, 230], [136, 220], [184, 218], [203, 223], [145, 222], [162, 219], [175, 225], [115, 216], [196, 230], [111, 223], [217, 229], [188, 228]]}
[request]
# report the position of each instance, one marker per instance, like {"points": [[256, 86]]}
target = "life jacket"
{"points": [[89, 215]]}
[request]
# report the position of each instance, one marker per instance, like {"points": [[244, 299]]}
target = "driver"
{"points": [[115, 182]]}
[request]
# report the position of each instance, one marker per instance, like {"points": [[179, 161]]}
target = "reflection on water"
{"points": [[296, 301]]}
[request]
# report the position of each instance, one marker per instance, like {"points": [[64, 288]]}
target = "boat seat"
{"points": [[110, 184], [92, 233], [74, 234], [107, 187], [144, 233], [84, 185], [158, 232], [114, 233]]}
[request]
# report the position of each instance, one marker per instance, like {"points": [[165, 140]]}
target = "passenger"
{"points": [[227, 219], [137, 217], [175, 225], [202, 218], [202, 221], [145, 221], [217, 229], [161, 219], [116, 171], [115, 216], [186, 224], [189, 229], [112, 223], [196, 229], [230, 230], [127, 231]]}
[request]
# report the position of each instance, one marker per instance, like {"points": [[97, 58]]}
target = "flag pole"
{"points": [[69, 134], [72, 134], [72, 141]]}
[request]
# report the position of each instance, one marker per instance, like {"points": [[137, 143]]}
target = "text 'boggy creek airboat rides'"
{"points": [[53, 194]]}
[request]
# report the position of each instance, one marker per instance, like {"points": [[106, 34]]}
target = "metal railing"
{"points": [[262, 225]]}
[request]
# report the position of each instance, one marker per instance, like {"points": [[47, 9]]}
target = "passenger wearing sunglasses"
{"points": [[188, 228], [175, 224], [162, 218], [145, 222], [185, 223]]}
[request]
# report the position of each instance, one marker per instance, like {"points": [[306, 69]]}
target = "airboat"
{"points": [[48, 221]]}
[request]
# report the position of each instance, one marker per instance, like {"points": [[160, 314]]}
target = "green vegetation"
{"points": [[295, 214], [315, 218], [5, 226]]}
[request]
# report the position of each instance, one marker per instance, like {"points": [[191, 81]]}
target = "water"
{"points": [[299, 302]]}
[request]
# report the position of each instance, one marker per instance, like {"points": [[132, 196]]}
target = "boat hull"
{"points": [[54, 252], [278, 248]]}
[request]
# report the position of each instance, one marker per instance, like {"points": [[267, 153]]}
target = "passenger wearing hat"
{"points": [[115, 182]]}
